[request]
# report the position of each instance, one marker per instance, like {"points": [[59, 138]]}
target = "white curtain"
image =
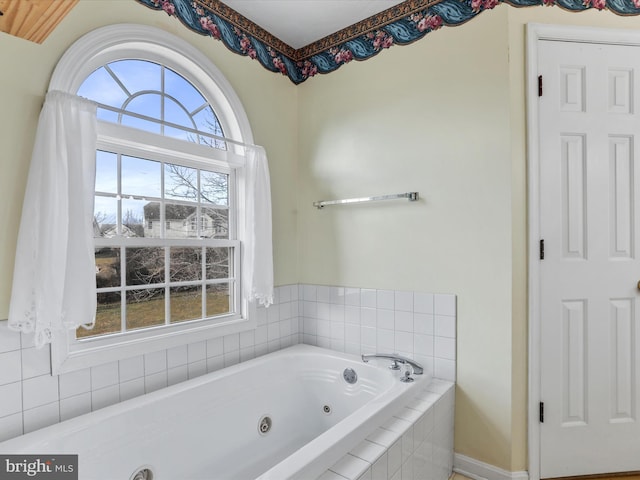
{"points": [[54, 274], [258, 254]]}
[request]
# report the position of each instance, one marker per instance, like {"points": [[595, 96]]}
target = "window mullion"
{"points": [[167, 288], [204, 280], [117, 80], [119, 196], [123, 251], [162, 93], [162, 204], [123, 293], [199, 218], [234, 273], [198, 110], [232, 216]]}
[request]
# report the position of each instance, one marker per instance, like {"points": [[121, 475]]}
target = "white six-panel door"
{"points": [[589, 131]]}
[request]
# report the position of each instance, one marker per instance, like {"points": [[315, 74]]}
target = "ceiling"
{"points": [[301, 22]]}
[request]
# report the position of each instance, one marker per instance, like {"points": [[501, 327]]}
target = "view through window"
{"points": [[166, 249]]}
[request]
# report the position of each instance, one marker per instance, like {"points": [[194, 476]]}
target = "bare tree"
{"points": [[213, 188], [104, 217], [145, 266], [212, 191], [212, 126], [133, 222]]}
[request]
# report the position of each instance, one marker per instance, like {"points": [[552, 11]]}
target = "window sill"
{"points": [[69, 354]]}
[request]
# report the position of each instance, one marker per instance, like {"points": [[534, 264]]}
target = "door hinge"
{"points": [[542, 249], [539, 85], [541, 412]]}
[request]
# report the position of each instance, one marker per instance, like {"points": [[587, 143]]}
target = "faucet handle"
{"points": [[406, 378], [395, 365]]}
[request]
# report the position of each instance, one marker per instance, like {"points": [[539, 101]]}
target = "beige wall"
{"points": [[444, 116], [431, 117]]}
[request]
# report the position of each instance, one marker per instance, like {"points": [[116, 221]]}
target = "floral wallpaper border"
{"points": [[400, 25]]}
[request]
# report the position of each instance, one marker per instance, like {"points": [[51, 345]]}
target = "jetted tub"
{"points": [[288, 414]]}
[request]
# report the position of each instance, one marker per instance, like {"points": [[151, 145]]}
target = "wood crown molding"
{"points": [[33, 20]]}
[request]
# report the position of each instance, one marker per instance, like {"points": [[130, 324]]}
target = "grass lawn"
{"points": [[184, 306]]}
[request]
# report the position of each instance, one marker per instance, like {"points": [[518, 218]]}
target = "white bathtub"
{"points": [[208, 428]]}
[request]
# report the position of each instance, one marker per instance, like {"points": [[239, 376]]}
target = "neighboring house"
{"points": [[110, 230], [181, 221]]}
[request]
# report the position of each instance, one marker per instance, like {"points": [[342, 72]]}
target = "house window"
{"points": [[164, 162], [149, 278]]}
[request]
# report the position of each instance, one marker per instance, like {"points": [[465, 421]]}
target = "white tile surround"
{"points": [[421, 326], [354, 320], [416, 444]]}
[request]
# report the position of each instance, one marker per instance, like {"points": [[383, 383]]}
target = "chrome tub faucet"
{"points": [[397, 359]]}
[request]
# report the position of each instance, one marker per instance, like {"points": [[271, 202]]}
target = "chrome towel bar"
{"points": [[412, 196]]}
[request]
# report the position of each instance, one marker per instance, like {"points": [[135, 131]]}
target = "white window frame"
{"points": [[128, 41]]}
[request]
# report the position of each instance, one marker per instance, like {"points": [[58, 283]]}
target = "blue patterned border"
{"points": [[400, 25]]}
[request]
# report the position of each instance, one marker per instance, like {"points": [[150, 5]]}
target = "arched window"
{"points": [[152, 97], [171, 135]]}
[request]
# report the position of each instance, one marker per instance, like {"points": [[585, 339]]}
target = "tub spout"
{"points": [[417, 368]]}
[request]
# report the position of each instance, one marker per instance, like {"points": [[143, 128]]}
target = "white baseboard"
{"points": [[477, 470]]}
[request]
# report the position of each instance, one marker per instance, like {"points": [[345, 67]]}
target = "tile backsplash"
{"points": [[353, 320], [421, 326]]}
